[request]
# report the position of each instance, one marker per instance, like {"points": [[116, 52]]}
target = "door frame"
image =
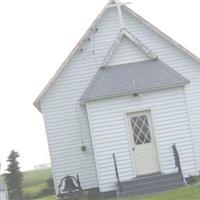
{"points": [[128, 115]]}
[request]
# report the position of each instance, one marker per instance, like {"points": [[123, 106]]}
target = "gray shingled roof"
{"points": [[139, 77]]}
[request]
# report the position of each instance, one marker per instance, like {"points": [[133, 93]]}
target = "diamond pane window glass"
{"points": [[141, 132]]}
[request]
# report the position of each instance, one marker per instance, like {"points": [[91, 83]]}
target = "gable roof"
{"points": [[125, 33], [108, 5], [125, 79]]}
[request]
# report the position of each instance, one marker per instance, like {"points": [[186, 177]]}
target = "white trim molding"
{"points": [[124, 32], [92, 28]]}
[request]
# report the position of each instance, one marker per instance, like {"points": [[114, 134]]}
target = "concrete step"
{"points": [[148, 179], [151, 184], [151, 190]]}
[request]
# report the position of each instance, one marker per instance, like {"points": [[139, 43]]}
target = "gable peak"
{"points": [[111, 3], [124, 33]]}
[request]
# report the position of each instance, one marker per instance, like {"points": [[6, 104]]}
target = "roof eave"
{"points": [[37, 101], [83, 102], [181, 47]]}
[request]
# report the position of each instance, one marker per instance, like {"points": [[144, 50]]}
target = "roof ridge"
{"points": [[154, 28], [77, 46], [147, 23]]}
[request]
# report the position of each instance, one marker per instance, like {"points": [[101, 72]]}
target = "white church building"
{"points": [[125, 95], [3, 190]]}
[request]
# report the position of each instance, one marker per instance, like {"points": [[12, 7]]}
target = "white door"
{"points": [[143, 144]]}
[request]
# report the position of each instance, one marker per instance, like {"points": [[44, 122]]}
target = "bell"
{"points": [[69, 185]]}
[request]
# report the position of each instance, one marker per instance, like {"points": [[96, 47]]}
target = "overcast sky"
{"points": [[35, 38]]}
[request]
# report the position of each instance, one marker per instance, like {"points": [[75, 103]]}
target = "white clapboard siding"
{"points": [[66, 131], [3, 195], [179, 61], [127, 52], [66, 122], [108, 125]]}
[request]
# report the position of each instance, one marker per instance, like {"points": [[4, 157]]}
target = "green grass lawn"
{"points": [[35, 181], [47, 198], [36, 177], [34, 188], [186, 193]]}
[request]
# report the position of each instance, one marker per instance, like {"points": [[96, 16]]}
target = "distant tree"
{"points": [[14, 177]]}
